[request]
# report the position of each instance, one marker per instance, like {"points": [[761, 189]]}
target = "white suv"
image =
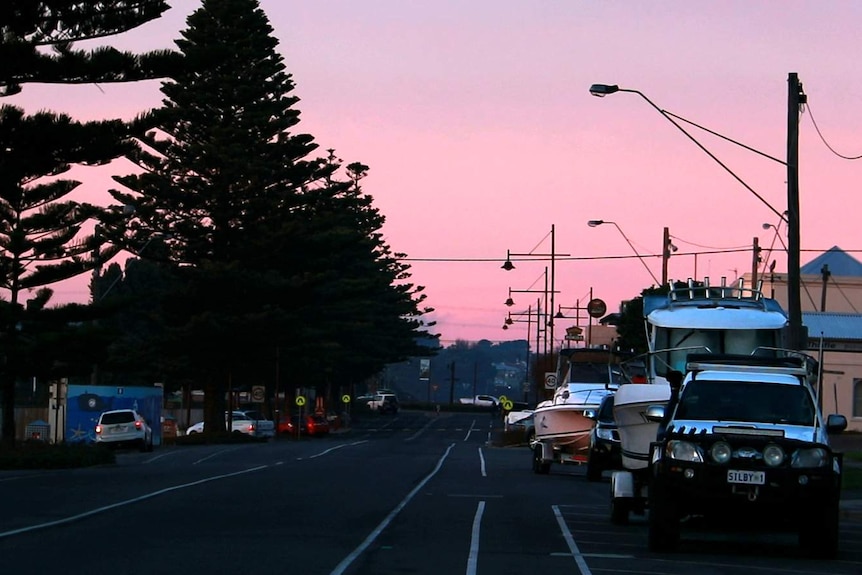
{"points": [[384, 402], [121, 427]]}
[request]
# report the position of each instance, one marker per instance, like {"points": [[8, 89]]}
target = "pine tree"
{"points": [[27, 26], [280, 258], [40, 230]]}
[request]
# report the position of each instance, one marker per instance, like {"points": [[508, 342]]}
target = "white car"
{"points": [[120, 427], [249, 422]]}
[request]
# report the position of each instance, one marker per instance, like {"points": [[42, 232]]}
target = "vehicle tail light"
{"points": [[137, 425], [98, 429], [251, 428]]}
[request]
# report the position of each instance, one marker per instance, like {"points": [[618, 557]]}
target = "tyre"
{"points": [[663, 521], [594, 470], [143, 445], [620, 507], [540, 466], [818, 532]]}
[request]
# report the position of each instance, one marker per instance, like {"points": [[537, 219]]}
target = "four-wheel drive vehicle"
{"points": [[124, 427], [384, 403], [747, 444]]}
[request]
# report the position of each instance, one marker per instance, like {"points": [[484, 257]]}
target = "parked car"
{"points": [[481, 401], [311, 424], [605, 447], [124, 427], [384, 403], [170, 429], [249, 422]]}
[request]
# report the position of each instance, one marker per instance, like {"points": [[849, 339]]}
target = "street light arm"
{"points": [[670, 119], [594, 223]]}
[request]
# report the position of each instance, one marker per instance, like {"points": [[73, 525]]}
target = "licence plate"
{"points": [[746, 477]]}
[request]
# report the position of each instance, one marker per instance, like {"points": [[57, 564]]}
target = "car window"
{"points": [[118, 417]]}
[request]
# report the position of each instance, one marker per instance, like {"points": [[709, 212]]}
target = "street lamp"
{"points": [[596, 223], [796, 98], [508, 266]]}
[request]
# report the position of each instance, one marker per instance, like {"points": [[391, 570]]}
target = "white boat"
{"points": [[562, 425], [688, 319], [636, 431]]}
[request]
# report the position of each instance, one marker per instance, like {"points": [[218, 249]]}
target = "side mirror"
{"points": [[836, 423], [591, 413], [655, 413]]}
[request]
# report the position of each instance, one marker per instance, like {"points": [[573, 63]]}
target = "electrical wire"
{"points": [[823, 139]]}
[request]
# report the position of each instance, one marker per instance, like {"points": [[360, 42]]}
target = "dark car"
{"points": [[605, 450], [312, 425]]}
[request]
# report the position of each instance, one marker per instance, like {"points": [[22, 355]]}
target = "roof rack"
{"points": [[790, 365], [690, 291]]}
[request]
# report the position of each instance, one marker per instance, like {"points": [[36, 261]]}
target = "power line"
{"points": [[823, 139]]}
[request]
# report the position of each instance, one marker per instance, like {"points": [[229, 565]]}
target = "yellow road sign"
{"points": [[300, 400], [345, 398], [508, 405]]}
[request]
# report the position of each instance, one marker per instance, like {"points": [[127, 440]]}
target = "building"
{"points": [[831, 298]]}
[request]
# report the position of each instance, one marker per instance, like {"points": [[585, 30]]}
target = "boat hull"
{"points": [[566, 427], [636, 431]]}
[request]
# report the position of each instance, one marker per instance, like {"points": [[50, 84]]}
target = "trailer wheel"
{"points": [[540, 466], [620, 507]]}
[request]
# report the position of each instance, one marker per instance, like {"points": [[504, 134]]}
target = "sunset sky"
{"points": [[481, 134]]}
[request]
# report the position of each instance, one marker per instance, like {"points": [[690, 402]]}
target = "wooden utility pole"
{"points": [[665, 255], [795, 98], [755, 262]]}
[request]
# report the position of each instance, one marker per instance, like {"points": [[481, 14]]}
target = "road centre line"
{"points": [[347, 561], [482, 463], [211, 455], [473, 558], [331, 449], [126, 502]]}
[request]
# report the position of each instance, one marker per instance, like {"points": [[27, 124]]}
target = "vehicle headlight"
{"points": [[773, 455], [604, 433], [684, 451], [812, 457], [720, 452]]}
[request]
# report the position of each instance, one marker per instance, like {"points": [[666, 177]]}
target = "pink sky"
{"points": [[477, 123]]}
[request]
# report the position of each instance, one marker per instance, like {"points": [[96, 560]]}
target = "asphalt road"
{"points": [[408, 494]]}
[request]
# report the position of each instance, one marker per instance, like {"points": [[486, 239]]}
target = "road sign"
{"points": [[345, 398], [596, 308], [502, 399], [508, 405], [258, 393], [550, 380], [300, 400]]}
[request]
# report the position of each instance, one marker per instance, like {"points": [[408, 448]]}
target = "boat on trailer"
{"points": [[692, 317], [562, 424]]}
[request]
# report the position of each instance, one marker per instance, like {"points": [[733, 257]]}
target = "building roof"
{"points": [[833, 325], [840, 264]]}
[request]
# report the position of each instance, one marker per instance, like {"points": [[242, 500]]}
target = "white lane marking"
{"points": [[331, 449], [573, 547], [473, 558], [482, 463], [347, 561], [469, 431], [127, 502], [418, 433], [214, 454]]}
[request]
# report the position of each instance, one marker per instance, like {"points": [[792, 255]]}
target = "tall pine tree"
{"points": [[277, 257]]}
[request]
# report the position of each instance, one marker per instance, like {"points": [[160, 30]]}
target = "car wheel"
{"points": [[818, 532], [143, 445], [663, 524]]}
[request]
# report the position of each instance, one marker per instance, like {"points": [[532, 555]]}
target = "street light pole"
{"points": [[795, 98], [596, 223]]}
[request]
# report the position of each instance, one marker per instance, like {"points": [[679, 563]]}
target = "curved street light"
{"points": [[796, 98], [596, 223]]}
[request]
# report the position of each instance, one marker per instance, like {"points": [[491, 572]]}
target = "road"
{"points": [[413, 493]]}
